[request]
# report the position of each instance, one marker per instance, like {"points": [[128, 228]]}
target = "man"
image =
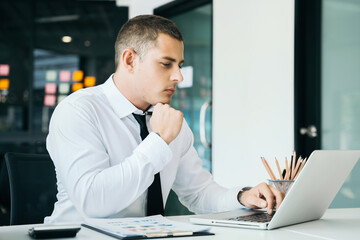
{"points": [[105, 162]]}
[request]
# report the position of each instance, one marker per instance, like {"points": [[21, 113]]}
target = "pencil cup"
{"points": [[282, 185]]}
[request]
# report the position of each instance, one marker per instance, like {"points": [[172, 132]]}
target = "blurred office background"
{"points": [[50, 49], [262, 78]]}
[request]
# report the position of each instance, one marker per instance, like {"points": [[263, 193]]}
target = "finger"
{"points": [[180, 114], [269, 197], [279, 196], [158, 105], [254, 201]]}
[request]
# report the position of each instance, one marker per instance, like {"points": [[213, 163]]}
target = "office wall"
{"points": [[253, 85], [253, 100]]}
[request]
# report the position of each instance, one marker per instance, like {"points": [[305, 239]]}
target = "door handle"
{"points": [[203, 109], [310, 131]]}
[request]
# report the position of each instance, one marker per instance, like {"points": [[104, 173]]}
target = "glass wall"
{"points": [[341, 88], [195, 92], [49, 49]]}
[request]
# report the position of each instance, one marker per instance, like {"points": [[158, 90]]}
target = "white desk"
{"points": [[336, 224]]}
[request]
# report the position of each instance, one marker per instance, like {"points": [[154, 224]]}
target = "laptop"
{"points": [[307, 200]]}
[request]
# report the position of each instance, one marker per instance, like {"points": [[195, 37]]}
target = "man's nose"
{"points": [[177, 75]]}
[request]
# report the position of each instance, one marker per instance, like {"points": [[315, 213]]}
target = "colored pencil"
{"points": [[268, 169], [278, 167]]}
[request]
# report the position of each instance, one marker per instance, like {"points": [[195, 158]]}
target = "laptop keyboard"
{"points": [[256, 217]]}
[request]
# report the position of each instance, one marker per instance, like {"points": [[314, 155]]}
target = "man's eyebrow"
{"points": [[172, 59]]}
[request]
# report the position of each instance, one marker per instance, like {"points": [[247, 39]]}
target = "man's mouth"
{"points": [[170, 90]]}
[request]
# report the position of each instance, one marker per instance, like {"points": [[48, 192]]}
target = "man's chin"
{"points": [[163, 101]]}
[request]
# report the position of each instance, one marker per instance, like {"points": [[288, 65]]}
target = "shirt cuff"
{"points": [[156, 151], [233, 198]]}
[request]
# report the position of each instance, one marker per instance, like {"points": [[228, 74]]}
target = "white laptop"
{"points": [[307, 200]]}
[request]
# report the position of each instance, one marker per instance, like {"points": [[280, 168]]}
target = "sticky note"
{"points": [[64, 88], [60, 98], [77, 86], [4, 84], [77, 75], [64, 76], [89, 81], [49, 100], [4, 69], [51, 75], [50, 88]]}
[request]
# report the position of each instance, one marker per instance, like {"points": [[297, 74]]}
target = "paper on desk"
{"points": [[126, 227]]}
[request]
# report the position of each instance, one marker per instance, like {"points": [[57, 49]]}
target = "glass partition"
{"points": [[341, 88], [49, 49], [194, 94]]}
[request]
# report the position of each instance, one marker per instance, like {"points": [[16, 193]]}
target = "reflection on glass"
{"points": [[196, 28]]}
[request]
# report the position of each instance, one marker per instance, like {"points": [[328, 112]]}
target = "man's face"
{"points": [[157, 73]]}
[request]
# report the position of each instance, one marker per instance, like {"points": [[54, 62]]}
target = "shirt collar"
{"points": [[151, 109], [120, 104]]}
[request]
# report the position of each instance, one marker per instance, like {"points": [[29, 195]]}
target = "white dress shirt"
{"points": [[103, 168]]}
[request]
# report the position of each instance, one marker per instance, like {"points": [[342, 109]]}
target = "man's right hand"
{"points": [[166, 121], [262, 196]]}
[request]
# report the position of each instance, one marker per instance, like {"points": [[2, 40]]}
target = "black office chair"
{"points": [[4, 193], [32, 187]]}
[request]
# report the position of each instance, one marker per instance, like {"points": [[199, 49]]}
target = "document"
{"points": [[145, 227]]}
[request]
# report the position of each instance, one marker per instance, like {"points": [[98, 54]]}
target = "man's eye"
{"points": [[166, 64]]}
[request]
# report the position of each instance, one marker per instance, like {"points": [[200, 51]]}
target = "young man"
{"points": [[104, 157]]}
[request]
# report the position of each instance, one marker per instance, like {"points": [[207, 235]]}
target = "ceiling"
{"points": [[93, 25]]}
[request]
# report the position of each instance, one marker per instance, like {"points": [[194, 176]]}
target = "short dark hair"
{"points": [[140, 33]]}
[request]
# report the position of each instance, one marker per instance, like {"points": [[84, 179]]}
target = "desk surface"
{"points": [[335, 224]]}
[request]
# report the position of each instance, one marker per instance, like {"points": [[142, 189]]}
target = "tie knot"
{"points": [[141, 119]]}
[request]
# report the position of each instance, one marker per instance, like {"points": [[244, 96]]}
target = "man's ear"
{"points": [[128, 59]]}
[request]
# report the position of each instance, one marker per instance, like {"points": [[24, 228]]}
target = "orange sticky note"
{"points": [[89, 81], [77, 86], [4, 84], [77, 75]]}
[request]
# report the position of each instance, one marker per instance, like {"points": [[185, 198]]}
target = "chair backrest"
{"points": [[4, 194], [32, 187]]}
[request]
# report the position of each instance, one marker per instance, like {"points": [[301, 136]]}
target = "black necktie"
{"points": [[154, 196]]}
